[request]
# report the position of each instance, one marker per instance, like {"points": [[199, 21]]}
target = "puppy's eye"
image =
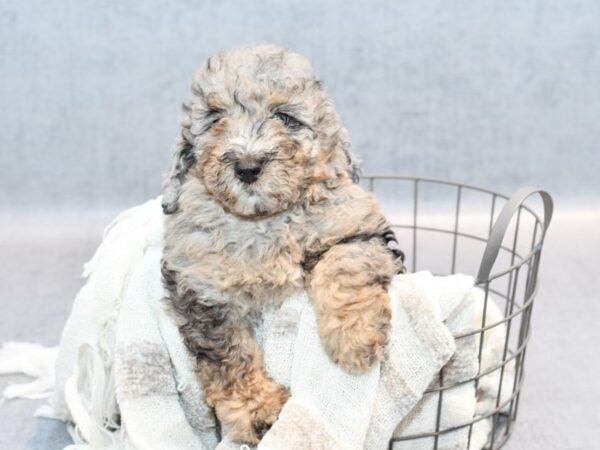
{"points": [[227, 157], [214, 117], [289, 121]]}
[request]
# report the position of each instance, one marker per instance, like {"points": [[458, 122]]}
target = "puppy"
{"points": [[262, 202]]}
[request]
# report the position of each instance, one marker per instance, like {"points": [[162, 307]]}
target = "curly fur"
{"points": [[232, 247]]}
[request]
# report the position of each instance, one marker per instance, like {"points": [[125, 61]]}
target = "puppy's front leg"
{"points": [[246, 400], [348, 287]]}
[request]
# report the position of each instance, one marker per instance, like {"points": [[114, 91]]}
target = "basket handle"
{"points": [[501, 225]]}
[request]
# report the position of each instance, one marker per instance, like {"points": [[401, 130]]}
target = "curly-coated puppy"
{"points": [[261, 203]]}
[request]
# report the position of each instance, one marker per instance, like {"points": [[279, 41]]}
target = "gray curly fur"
{"points": [[234, 247]]}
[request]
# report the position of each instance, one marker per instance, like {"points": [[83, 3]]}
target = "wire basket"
{"points": [[449, 227]]}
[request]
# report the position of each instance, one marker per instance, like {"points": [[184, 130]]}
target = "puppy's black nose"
{"points": [[247, 172]]}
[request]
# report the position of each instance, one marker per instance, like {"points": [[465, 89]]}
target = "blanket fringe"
{"points": [[33, 360], [88, 394]]}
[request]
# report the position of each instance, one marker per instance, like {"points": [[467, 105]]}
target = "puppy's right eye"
{"points": [[227, 157]]}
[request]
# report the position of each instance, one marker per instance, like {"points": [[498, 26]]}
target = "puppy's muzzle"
{"points": [[248, 172]]}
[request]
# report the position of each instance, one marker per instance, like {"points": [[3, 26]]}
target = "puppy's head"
{"points": [[259, 133]]}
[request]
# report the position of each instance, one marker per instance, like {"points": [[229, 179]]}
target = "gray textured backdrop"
{"points": [[498, 93]]}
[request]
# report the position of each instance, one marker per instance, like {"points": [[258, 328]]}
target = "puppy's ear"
{"points": [[353, 165], [183, 158], [335, 139], [344, 161]]}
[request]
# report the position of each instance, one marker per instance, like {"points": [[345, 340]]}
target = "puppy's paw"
{"points": [[248, 418], [356, 338]]}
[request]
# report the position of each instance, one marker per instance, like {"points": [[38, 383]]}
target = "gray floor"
{"points": [[41, 257]]}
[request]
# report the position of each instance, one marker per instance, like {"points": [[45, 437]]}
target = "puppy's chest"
{"points": [[263, 260]]}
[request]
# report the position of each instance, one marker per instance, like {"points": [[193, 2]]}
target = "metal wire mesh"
{"points": [[448, 227]]}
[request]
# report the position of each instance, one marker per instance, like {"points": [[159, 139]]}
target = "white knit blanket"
{"points": [[124, 379]]}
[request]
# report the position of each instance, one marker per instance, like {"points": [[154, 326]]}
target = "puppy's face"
{"points": [[262, 131]]}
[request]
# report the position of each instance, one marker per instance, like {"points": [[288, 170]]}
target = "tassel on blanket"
{"points": [[33, 360], [89, 395]]}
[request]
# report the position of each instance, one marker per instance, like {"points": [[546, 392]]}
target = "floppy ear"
{"points": [[353, 165], [183, 158], [335, 138], [344, 161]]}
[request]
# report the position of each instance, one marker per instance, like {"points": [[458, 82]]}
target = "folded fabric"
{"points": [[124, 378], [464, 401]]}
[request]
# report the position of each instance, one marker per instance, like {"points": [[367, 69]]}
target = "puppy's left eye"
{"points": [[214, 117], [291, 122]]}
